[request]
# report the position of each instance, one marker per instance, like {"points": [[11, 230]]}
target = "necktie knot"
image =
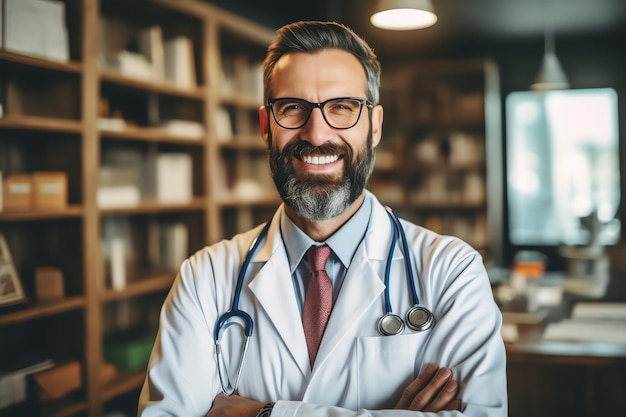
{"points": [[317, 256]]}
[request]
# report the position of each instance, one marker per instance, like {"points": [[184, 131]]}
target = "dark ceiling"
{"points": [[460, 21]]}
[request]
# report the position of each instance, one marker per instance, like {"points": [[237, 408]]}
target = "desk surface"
{"points": [[531, 347]]}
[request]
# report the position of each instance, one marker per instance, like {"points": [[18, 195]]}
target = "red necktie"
{"points": [[318, 301]]}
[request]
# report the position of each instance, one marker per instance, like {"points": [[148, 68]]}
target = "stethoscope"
{"points": [[418, 318]]}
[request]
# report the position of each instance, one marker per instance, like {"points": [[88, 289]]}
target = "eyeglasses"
{"points": [[339, 113]]}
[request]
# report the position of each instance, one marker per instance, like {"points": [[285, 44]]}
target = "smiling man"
{"points": [[285, 320]]}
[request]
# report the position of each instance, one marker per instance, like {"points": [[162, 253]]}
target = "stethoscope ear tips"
{"points": [[419, 318]]}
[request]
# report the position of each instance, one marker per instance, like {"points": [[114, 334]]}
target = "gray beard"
{"points": [[321, 197]]}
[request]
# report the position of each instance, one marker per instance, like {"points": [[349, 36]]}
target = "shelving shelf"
{"points": [[51, 122], [34, 62], [40, 309], [149, 285], [71, 211], [114, 77]]}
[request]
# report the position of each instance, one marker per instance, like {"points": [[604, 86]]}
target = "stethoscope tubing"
{"points": [[398, 229], [229, 387], [390, 324]]}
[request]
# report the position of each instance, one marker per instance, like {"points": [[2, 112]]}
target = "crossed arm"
{"points": [[433, 390]]}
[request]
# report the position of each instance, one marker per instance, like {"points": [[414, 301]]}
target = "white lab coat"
{"points": [[358, 372]]}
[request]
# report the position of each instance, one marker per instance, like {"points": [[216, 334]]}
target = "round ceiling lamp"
{"points": [[403, 14]]}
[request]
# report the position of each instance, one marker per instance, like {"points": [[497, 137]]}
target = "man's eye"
{"points": [[294, 109], [343, 106]]}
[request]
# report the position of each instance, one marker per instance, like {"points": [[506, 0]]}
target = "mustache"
{"points": [[301, 148]]}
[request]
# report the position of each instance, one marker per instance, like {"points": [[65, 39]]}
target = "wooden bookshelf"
{"points": [[51, 122], [441, 140]]}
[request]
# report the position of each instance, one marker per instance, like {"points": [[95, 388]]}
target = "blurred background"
{"points": [[129, 139]]}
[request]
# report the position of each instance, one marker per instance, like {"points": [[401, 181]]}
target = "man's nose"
{"points": [[316, 131]]}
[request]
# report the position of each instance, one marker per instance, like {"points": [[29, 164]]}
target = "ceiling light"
{"points": [[403, 14], [551, 75]]}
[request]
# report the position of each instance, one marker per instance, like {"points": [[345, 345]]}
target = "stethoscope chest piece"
{"points": [[419, 318], [390, 325]]}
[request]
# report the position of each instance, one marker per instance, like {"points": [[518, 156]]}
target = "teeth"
{"points": [[320, 160]]}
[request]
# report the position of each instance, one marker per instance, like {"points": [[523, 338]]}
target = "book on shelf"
{"points": [[115, 35], [222, 125], [35, 27], [174, 178], [117, 251], [3, 99], [150, 45], [167, 245], [180, 67], [118, 187], [227, 70], [174, 245], [187, 129], [118, 264], [255, 81]]}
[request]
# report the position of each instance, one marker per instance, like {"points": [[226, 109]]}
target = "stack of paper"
{"points": [[591, 322]]}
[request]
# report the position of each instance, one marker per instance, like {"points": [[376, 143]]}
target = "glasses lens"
{"points": [[342, 113], [291, 113]]}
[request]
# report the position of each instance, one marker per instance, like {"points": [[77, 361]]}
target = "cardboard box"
{"points": [[48, 283], [58, 381], [17, 192], [49, 190]]}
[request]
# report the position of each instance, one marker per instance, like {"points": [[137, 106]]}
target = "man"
{"points": [[321, 124]]}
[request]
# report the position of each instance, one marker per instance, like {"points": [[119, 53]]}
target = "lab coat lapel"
{"points": [[273, 288]]}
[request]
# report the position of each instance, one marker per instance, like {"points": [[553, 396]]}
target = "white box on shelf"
{"points": [[134, 65], [187, 129], [35, 27], [174, 178], [180, 67]]}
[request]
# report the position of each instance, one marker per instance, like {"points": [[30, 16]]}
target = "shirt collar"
{"points": [[342, 242]]}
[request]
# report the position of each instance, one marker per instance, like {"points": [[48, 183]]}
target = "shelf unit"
{"points": [[52, 121], [441, 140]]}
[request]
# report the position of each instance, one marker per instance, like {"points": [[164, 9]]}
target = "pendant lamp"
{"points": [[403, 14], [551, 75]]}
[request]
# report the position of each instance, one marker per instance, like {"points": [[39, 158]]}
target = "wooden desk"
{"points": [[554, 379]]}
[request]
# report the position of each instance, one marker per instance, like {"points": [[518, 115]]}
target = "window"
{"points": [[563, 180]]}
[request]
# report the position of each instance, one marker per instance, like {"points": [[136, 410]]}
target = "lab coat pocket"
{"points": [[386, 366]]}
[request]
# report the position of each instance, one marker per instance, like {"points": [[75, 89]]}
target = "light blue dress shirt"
{"points": [[342, 243]]}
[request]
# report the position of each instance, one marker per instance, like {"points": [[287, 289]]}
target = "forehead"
{"points": [[323, 74]]}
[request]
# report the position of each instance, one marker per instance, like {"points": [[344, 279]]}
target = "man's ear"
{"points": [[264, 122], [377, 125]]}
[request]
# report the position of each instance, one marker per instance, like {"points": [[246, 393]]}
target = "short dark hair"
{"points": [[314, 36]]}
